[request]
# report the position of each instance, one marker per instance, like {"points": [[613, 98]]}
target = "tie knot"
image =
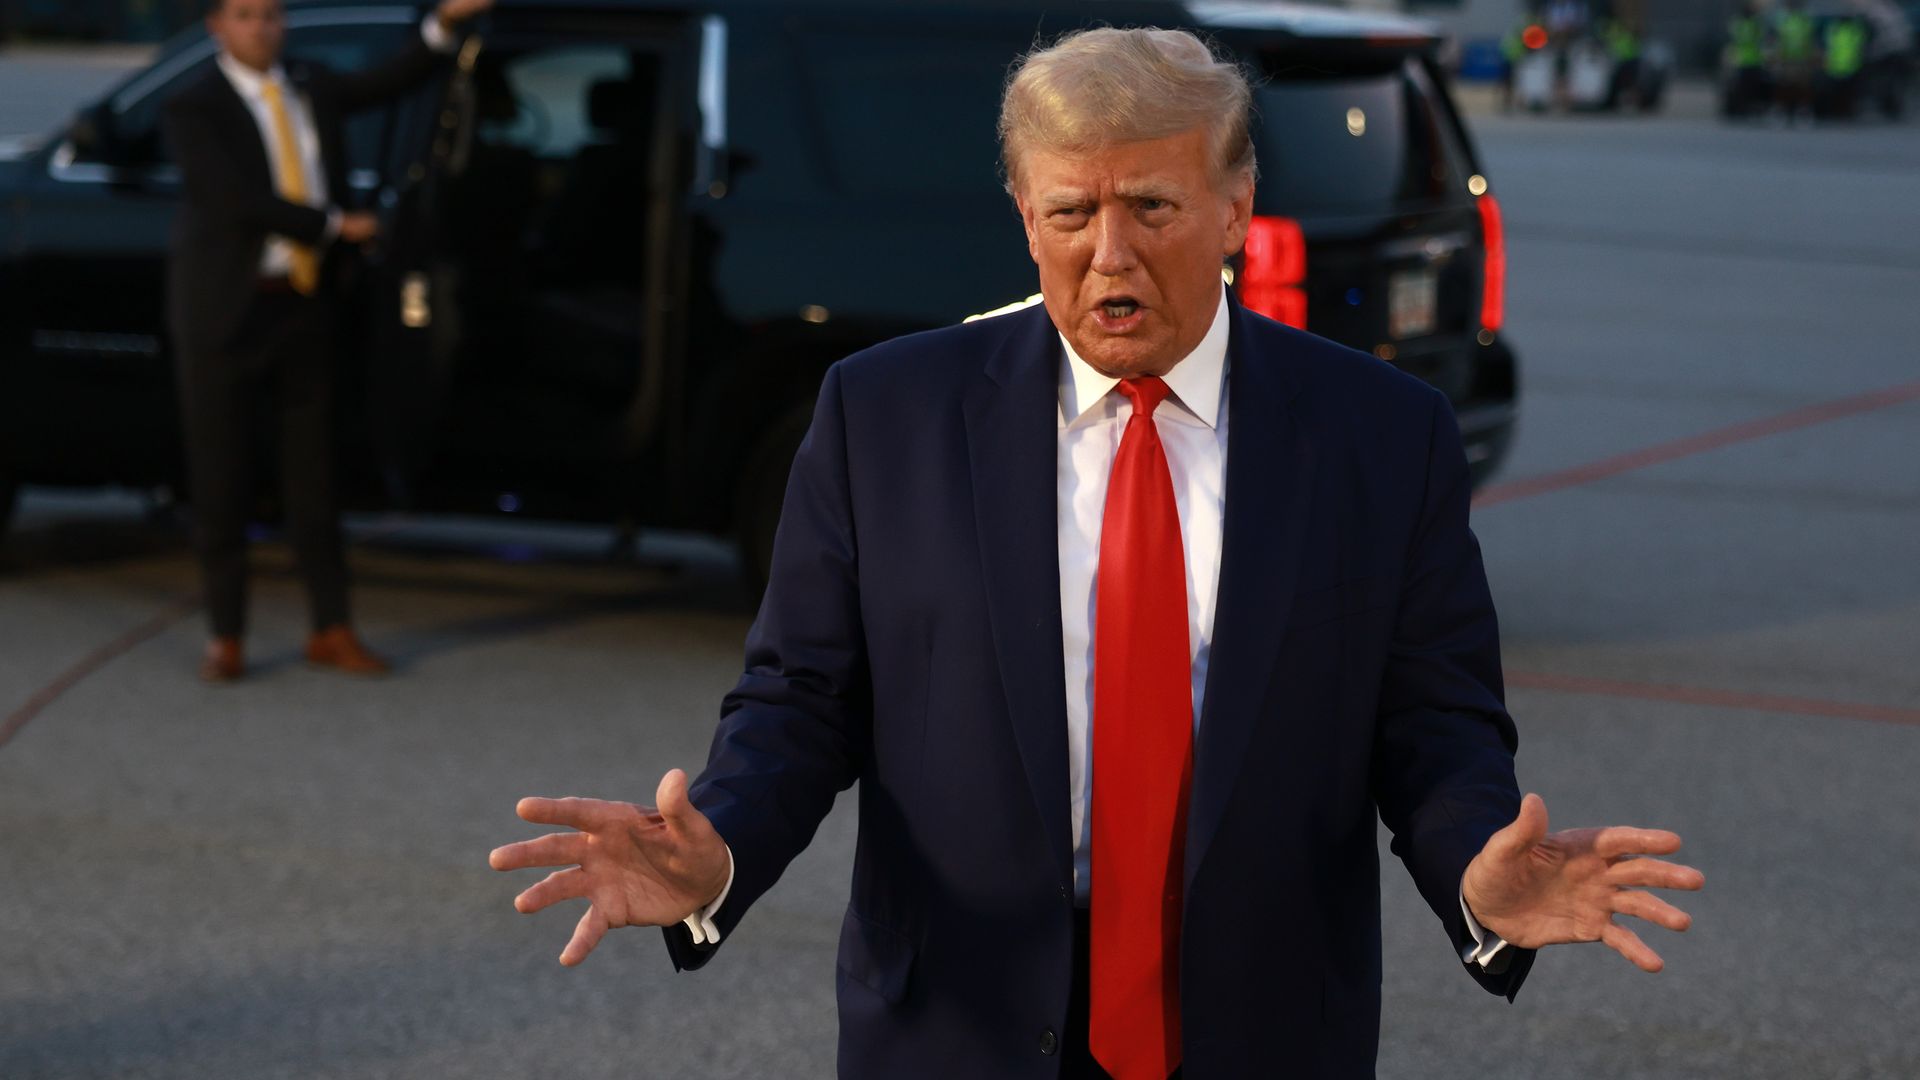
{"points": [[1146, 393]]}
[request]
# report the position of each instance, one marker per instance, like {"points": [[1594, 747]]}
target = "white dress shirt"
{"points": [[1192, 424], [276, 256]]}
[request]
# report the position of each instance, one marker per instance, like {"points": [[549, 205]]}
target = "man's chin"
{"points": [[1122, 358]]}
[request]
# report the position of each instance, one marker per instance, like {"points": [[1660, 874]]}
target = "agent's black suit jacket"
{"points": [[230, 205], [910, 640]]}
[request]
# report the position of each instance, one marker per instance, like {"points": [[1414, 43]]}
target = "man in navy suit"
{"points": [[1142, 535], [260, 244]]}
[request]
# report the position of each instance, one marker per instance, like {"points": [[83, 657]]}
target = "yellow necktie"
{"points": [[304, 271]]}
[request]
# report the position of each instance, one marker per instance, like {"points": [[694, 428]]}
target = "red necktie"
{"points": [[1142, 757]]}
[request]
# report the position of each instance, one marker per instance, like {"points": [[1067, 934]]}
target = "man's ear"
{"points": [[1240, 218]]}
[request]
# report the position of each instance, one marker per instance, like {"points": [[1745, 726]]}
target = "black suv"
{"points": [[624, 240]]}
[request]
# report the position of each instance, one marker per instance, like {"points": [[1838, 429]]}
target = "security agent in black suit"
{"points": [[258, 245]]}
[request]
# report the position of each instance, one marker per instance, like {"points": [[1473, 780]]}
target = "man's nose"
{"points": [[1113, 244]]}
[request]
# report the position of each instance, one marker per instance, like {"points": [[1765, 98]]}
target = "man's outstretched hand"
{"points": [[1536, 888], [636, 865]]}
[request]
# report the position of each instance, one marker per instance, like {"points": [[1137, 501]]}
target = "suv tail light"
{"points": [[1493, 293], [1274, 270]]}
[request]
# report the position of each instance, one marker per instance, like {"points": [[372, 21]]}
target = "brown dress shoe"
{"points": [[222, 662], [336, 647]]}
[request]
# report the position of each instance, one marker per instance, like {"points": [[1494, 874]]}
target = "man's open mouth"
{"points": [[1120, 308]]}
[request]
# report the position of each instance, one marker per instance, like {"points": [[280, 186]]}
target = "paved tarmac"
{"points": [[287, 878]]}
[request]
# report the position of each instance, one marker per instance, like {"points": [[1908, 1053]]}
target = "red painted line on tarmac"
{"points": [[92, 662], [1841, 408], [120, 646], [1726, 699]]}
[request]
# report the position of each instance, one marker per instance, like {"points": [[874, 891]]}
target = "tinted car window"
{"points": [[551, 92], [768, 121], [341, 48], [1350, 143], [931, 130]]}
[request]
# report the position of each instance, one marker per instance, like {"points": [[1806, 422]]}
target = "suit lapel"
{"points": [[246, 130], [1269, 495], [1012, 446]]}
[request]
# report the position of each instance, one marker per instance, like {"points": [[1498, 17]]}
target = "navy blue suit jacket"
{"points": [[910, 640]]}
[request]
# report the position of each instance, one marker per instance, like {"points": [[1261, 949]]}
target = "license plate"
{"points": [[1411, 300]]}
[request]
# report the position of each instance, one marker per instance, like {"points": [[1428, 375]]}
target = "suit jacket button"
{"points": [[1048, 1043]]}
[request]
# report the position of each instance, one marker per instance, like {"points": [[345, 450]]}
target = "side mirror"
{"points": [[95, 136]]}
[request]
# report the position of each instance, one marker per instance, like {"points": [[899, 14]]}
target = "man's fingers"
{"points": [[554, 849], [555, 887], [1654, 874], [1628, 944], [1622, 840], [571, 812], [586, 934], [1651, 908]]}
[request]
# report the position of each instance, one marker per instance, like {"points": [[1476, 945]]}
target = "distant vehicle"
{"points": [[623, 241], [1581, 73]]}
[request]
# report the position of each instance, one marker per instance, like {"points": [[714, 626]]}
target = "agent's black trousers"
{"points": [[269, 389]]}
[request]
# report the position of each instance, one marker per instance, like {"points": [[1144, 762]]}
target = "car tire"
{"points": [[762, 489]]}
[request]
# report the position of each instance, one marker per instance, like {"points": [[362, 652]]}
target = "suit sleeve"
{"points": [[358, 91], [213, 178], [1442, 771], [793, 732]]}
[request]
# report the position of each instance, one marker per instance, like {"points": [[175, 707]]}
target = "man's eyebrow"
{"points": [[1067, 197], [1150, 189]]}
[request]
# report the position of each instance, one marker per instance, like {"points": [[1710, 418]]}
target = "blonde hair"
{"points": [[1094, 88]]}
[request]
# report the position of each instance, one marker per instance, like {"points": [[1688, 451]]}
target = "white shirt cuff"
{"points": [[437, 37], [334, 220], [1486, 945], [701, 922]]}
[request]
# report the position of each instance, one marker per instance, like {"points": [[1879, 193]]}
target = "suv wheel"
{"points": [[763, 488]]}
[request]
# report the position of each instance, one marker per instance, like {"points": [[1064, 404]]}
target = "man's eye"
{"points": [[1150, 205]]}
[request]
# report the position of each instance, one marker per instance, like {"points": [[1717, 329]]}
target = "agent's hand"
{"points": [[451, 13], [1534, 888], [636, 865], [358, 227]]}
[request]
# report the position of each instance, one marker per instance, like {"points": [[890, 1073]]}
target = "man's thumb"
{"points": [[671, 799], [1527, 829]]}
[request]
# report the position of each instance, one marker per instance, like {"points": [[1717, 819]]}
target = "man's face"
{"points": [[1129, 241], [251, 31]]}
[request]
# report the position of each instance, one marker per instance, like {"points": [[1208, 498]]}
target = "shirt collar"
{"points": [[247, 81], [1195, 380]]}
